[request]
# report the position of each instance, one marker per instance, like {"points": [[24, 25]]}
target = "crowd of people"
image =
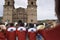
{"points": [[21, 31]]}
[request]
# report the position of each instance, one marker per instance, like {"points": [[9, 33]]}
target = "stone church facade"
{"points": [[12, 14]]}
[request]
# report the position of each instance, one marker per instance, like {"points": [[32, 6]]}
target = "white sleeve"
{"points": [[11, 29], [23, 28], [32, 29]]}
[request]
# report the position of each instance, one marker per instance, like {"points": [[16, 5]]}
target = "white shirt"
{"points": [[11, 29], [23, 28], [32, 29]]}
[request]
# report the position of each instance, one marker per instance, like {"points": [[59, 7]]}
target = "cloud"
{"points": [[1, 7], [45, 8], [22, 3]]}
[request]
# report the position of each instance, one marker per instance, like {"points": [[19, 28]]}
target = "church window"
{"points": [[32, 3], [8, 3], [31, 20]]}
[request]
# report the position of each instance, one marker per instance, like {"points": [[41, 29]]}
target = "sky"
{"points": [[45, 8]]}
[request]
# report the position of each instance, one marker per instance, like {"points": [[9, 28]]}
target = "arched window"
{"points": [[31, 20], [32, 3], [8, 3]]}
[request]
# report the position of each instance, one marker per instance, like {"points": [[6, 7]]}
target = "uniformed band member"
{"points": [[40, 27], [11, 32], [21, 32], [32, 32]]}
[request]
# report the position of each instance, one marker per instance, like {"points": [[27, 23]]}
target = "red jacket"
{"points": [[32, 34], [2, 36], [52, 34], [21, 33]]}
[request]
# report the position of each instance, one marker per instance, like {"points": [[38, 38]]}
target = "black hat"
{"points": [[21, 24], [31, 25], [19, 21]]}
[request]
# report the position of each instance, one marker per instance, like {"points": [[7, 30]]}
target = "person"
{"points": [[2, 31], [32, 32], [11, 32], [21, 32], [50, 34], [39, 27], [53, 34]]}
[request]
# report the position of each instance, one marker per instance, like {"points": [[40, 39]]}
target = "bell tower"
{"points": [[8, 11], [9, 2], [32, 11]]}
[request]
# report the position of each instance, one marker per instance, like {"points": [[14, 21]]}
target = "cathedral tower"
{"points": [[8, 11], [32, 11]]}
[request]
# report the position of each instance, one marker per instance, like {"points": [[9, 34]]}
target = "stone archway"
{"points": [[57, 9]]}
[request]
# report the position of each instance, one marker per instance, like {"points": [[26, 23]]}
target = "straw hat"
{"points": [[40, 27]]}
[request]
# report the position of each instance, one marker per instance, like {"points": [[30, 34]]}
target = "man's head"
{"points": [[31, 25], [11, 24], [21, 24], [19, 21]]}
